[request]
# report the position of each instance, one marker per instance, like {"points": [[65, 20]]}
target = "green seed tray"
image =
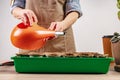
{"points": [[38, 64]]}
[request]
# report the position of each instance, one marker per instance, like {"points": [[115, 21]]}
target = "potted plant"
{"points": [[115, 44]]}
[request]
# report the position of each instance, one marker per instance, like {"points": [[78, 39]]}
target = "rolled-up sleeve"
{"points": [[73, 5], [17, 3]]}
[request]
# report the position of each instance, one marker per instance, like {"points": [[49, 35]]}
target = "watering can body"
{"points": [[30, 37]]}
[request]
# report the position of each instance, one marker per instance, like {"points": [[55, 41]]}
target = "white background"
{"points": [[99, 19]]}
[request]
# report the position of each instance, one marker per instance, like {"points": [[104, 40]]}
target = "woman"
{"points": [[56, 15]]}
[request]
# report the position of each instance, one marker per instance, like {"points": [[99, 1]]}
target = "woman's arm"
{"points": [[17, 3], [70, 19], [72, 13], [73, 6], [18, 11]]}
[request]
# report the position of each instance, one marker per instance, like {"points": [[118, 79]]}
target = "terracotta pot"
{"points": [[107, 44]]}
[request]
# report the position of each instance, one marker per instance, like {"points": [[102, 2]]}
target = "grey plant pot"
{"points": [[116, 52]]}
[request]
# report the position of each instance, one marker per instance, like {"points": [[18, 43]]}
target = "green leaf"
{"points": [[119, 15], [118, 5]]}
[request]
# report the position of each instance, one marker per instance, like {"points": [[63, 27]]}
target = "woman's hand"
{"points": [[66, 23], [57, 26], [26, 15]]}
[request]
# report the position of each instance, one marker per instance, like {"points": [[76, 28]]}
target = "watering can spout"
{"points": [[31, 37], [48, 33], [59, 33]]}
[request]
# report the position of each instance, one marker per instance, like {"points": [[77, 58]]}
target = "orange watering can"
{"points": [[31, 37]]}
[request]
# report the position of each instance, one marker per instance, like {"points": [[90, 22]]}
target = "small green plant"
{"points": [[115, 38]]}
